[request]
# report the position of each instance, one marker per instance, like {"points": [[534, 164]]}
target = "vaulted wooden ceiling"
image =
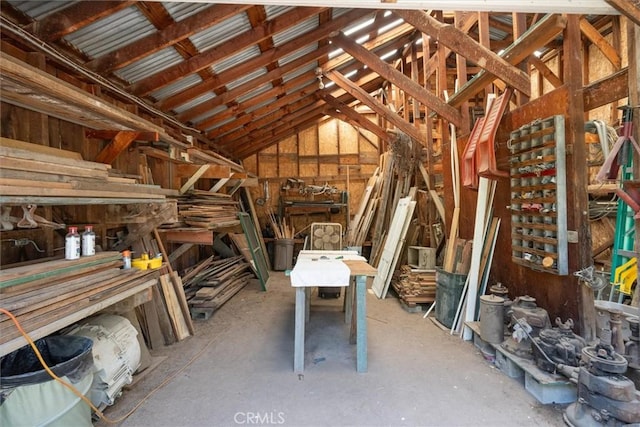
{"points": [[246, 76]]}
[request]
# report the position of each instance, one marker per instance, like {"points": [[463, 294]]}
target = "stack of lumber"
{"points": [[213, 282], [415, 286], [32, 173], [48, 296], [205, 209], [361, 222]]}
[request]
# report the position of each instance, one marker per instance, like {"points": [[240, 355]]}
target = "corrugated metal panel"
{"points": [[182, 10], [195, 102], [297, 54], [311, 67], [295, 31], [150, 65], [222, 123], [177, 87], [273, 11], [303, 84], [260, 105], [218, 34], [245, 78], [339, 11], [240, 57], [255, 92], [40, 9], [111, 32]]}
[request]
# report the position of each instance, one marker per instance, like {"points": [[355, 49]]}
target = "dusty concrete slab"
{"points": [[238, 370]]}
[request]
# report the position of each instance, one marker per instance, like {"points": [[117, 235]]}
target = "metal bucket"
{"points": [[491, 318]]}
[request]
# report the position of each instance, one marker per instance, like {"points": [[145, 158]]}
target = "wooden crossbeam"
{"points": [[600, 42], [397, 78], [121, 141], [629, 8]]}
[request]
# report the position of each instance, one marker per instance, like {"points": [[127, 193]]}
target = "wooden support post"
{"points": [[577, 174]]}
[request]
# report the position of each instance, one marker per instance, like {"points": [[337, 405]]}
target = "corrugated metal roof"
{"points": [[339, 11], [273, 11], [182, 10], [255, 92], [245, 78], [40, 9], [295, 73], [150, 65], [295, 31], [260, 105], [297, 54], [176, 87], [222, 123], [220, 33], [311, 79], [194, 102], [112, 32], [237, 59]]}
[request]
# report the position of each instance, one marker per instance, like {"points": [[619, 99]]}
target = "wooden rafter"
{"points": [[261, 61], [59, 24], [358, 93], [220, 52], [601, 43], [629, 8], [459, 42], [396, 77], [534, 38], [545, 71], [353, 117], [168, 36]]}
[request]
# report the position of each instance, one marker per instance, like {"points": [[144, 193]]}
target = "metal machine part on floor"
{"points": [[560, 345], [605, 396], [116, 355], [525, 313]]}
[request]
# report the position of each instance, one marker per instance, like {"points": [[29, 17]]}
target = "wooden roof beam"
{"points": [[600, 42], [278, 52], [271, 127], [535, 37], [263, 123], [629, 8], [252, 84], [459, 42], [364, 97], [169, 36], [351, 116], [397, 78], [212, 124], [59, 24], [218, 53]]}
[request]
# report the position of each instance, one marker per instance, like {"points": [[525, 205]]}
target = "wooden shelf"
{"points": [[538, 196]]}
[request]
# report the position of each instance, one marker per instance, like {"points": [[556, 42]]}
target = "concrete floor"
{"points": [[238, 370]]}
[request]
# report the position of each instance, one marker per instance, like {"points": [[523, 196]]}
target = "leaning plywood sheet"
{"points": [[393, 245]]}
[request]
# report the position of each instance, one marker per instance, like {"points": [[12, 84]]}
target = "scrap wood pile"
{"points": [[44, 295], [204, 209], [415, 286], [39, 171], [212, 282]]}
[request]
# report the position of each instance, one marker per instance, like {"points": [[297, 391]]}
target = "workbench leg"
{"points": [[307, 304], [298, 350], [361, 323], [348, 303]]}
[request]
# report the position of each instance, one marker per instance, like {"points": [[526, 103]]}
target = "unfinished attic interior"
{"points": [[384, 213]]}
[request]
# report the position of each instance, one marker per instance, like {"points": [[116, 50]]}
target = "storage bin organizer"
{"points": [[538, 196]]}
